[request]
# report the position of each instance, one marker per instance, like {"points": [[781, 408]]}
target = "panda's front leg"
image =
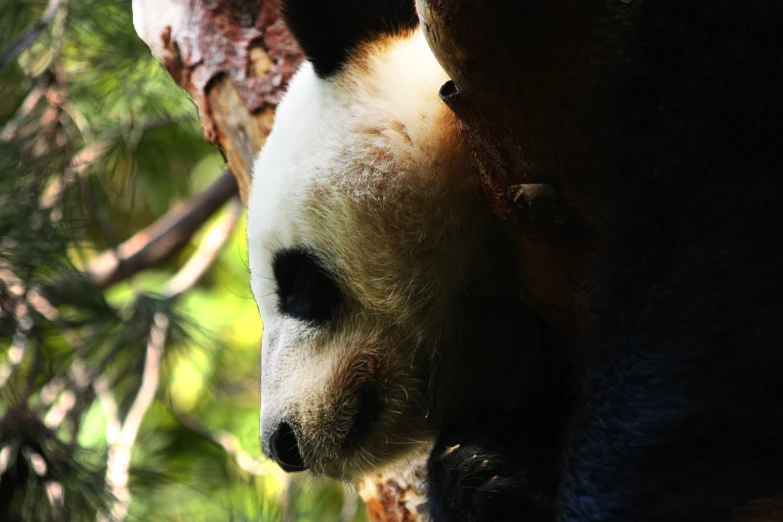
{"points": [[483, 471]]}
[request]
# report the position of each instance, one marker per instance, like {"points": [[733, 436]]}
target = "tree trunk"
{"points": [[233, 57]]}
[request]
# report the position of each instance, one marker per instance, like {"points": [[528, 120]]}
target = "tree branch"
{"points": [[206, 253], [24, 324], [31, 101], [163, 238], [120, 452], [233, 58], [79, 165], [122, 436], [30, 35]]}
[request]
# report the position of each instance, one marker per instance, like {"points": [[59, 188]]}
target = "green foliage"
{"points": [[96, 143]]}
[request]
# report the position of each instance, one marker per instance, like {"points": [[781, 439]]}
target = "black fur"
{"points": [[682, 417], [305, 289], [493, 464], [681, 414], [328, 31]]}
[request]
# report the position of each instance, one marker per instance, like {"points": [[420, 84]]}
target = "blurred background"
{"points": [[129, 339]]}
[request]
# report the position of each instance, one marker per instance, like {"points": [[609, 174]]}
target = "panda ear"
{"points": [[327, 31]]}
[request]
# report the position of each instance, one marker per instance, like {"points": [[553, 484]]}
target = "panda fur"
{"points": [[681, 414], [384, 281], [376, 264]]}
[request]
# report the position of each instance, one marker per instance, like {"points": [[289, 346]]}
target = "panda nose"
{"points": [[285, 449]]}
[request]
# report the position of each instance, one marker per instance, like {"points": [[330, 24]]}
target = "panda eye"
{"points": [[305, 289]]}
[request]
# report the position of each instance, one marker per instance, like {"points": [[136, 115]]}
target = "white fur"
{"points": [[366, 169]]}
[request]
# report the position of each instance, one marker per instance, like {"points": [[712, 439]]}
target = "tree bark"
{"points": [[233, 57]]}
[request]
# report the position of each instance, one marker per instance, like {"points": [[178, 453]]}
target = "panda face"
{"points": [[363, 226]]}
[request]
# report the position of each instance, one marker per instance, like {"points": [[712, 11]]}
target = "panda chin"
{"points": [[360, 459]]}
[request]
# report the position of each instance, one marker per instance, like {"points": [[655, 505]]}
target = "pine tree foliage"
{"points": [[134, 399]]}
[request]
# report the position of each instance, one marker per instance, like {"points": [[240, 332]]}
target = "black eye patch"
{"points": [[305, 289]]}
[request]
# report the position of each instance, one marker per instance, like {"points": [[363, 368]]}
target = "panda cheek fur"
{"points": [[355, 382], [357, 421]]}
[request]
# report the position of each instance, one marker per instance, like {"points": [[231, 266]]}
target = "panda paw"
{"points": [[469, 483]]}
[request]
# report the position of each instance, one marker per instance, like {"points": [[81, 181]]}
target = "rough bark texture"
{"points": [[396, 497], [234, 57]]}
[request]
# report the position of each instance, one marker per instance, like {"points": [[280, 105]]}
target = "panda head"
{"points": [[366, 229]]}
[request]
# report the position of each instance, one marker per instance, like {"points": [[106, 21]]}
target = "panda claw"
{"points": [[469, 482]]}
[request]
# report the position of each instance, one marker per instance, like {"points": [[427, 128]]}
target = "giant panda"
{"points": [[378, 268], [384, 281]]}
